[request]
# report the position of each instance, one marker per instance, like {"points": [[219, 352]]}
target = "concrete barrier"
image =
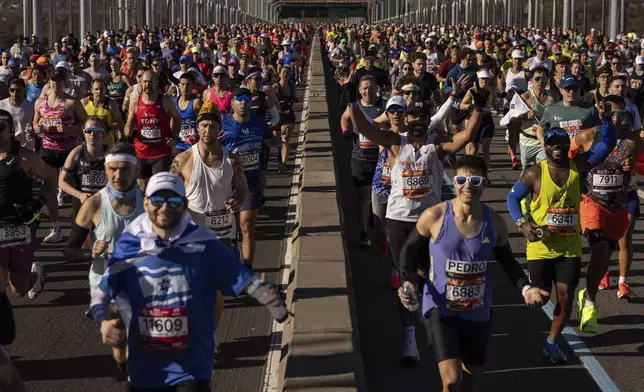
{"points": [[320, 345]]}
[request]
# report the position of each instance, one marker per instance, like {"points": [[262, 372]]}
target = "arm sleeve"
{"points": [[74, 252], [519, 192], [410, 249], [514, 271], [275, 116], [443, 111], [600, 151]]}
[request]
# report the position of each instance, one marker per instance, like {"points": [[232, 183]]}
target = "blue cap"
{"points": [[13, 63], [185, 58], [569, 80]]}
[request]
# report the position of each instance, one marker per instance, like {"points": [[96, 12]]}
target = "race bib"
{"points": [[14, 235], [608, 180], [562, 221], [571, 125], [47, 123], [150, 134], [250, 159], [164, 328], [385, 178], [187, 131], [365, 143], [416, 183], [636, 84], [465, 285], [93, 179], [220, 221]]}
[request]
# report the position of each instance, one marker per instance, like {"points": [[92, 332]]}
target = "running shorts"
{"points": [[54, 158], [452, 337], [633, 204], [186, 386], [287, 118], [255, 198], [362, 172], [545, 272], [595, 217], [147, 167], [486, 128], [18, 259]]}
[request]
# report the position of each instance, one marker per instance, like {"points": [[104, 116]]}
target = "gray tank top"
{"points": [[111, 224]]}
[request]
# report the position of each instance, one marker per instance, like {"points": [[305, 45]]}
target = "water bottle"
{"points": [[410, 292], [269, 298]]}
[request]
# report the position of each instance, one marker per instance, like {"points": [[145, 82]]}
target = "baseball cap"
{"points": [[42, 61], [93, 57], [165, 181], [13, 63], [418, 107], [517, 54], [185, 58], [396, 100], [63, 64], [220, 69], [639, 60], [34, 57], [130, 42], [194, 49], [233, 62], [483, 74], [6, 116], [242, 91], [569, 80], [556, 49]]}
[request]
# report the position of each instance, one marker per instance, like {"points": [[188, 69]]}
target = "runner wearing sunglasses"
{"points": [[465, 234], [167, 298], [103, 217], [552, 229], [416, 181], [243, 136]]}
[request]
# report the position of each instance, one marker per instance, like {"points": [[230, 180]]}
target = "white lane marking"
{"points": [[271, 376], [577, 345], [640, 193]]}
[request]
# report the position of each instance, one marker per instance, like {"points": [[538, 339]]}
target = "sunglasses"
{"points": [[474, 180], [242, 98], [396, 109], [15, 90], [573, 89], [414, 92], [173, 201], [540, 79], [406, 69], [219, 75], [93, 130], [555, 132]]}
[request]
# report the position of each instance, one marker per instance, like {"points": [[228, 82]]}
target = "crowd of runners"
{"points": [[571, 104], [161, 138]]}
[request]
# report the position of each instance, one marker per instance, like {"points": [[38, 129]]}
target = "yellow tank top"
{"points": [[556, 208], [105, 115]]}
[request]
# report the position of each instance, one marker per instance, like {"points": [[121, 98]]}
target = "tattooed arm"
{"points": [[239, 182]]}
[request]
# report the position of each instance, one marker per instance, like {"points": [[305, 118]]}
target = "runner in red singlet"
{"points": [[157, 123]]}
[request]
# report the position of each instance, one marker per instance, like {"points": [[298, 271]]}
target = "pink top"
{"points": [[57, 117], [223, 103]]}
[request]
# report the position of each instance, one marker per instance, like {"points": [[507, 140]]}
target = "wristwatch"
{"points": [[520, 222]]}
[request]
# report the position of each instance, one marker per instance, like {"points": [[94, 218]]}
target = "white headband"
{"points": [[120, 157], [409, 86]]}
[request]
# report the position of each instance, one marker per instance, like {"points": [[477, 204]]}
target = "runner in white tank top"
{"points": [[215, 187], [416, 180]]}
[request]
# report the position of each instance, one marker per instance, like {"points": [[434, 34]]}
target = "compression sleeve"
{"points": [[519, 192], [505, 257], [408, 254], [74, 252], [600, 151], [443, 111], [275, 116]]}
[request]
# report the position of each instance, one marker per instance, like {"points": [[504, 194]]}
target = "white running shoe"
{"points": [[54, 236], [40, 280], [59, 197]]}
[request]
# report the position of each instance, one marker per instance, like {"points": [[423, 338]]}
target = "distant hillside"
{"points": [[11, 16]]}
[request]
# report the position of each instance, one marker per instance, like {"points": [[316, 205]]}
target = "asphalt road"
{"points": [[57, 349], [514, 360]]}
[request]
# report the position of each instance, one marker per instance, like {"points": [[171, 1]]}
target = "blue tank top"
{"points": [[33, 92], [188, 126], [287, 58], [459, 275]]}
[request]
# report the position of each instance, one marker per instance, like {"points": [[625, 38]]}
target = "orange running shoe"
{"points": [[604, 284], [624, 291]]}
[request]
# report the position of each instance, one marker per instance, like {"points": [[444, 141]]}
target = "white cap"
{"points": [[130, 42], [429, 40], [639, 60], [517, 54], [396, 100], [592, 29], [63, 64], [286, 42], [220, 69], [165, 181], [483, 74], [106, 34]]}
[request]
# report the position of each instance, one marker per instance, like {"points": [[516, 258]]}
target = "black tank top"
{"points": [[15, 184], [90, 176], [286, 101], [258, 104]]}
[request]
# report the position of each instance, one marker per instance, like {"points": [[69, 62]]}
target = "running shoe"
{"points": [[554, 353], [587, 314], [365, 242], [384, 249], [624, 291], [604, 284], [54, 236], [40, 280], [410, 353]]}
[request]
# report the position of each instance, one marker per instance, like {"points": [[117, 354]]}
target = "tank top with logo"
{"points": [[89, 175], [208, 191], [557, 209], [188, 126], [459, 282], [56, 117], [416, 180], [153, 129], [607, 184]]}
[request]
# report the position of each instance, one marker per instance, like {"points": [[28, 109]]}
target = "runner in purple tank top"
{"points": [[465, 235]]}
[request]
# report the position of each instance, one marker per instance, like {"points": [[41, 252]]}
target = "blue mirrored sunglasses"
{"points": [[173, 201], [474, 180]]}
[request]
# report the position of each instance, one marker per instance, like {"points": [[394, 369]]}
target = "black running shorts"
{"points": [[545, 272]]}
